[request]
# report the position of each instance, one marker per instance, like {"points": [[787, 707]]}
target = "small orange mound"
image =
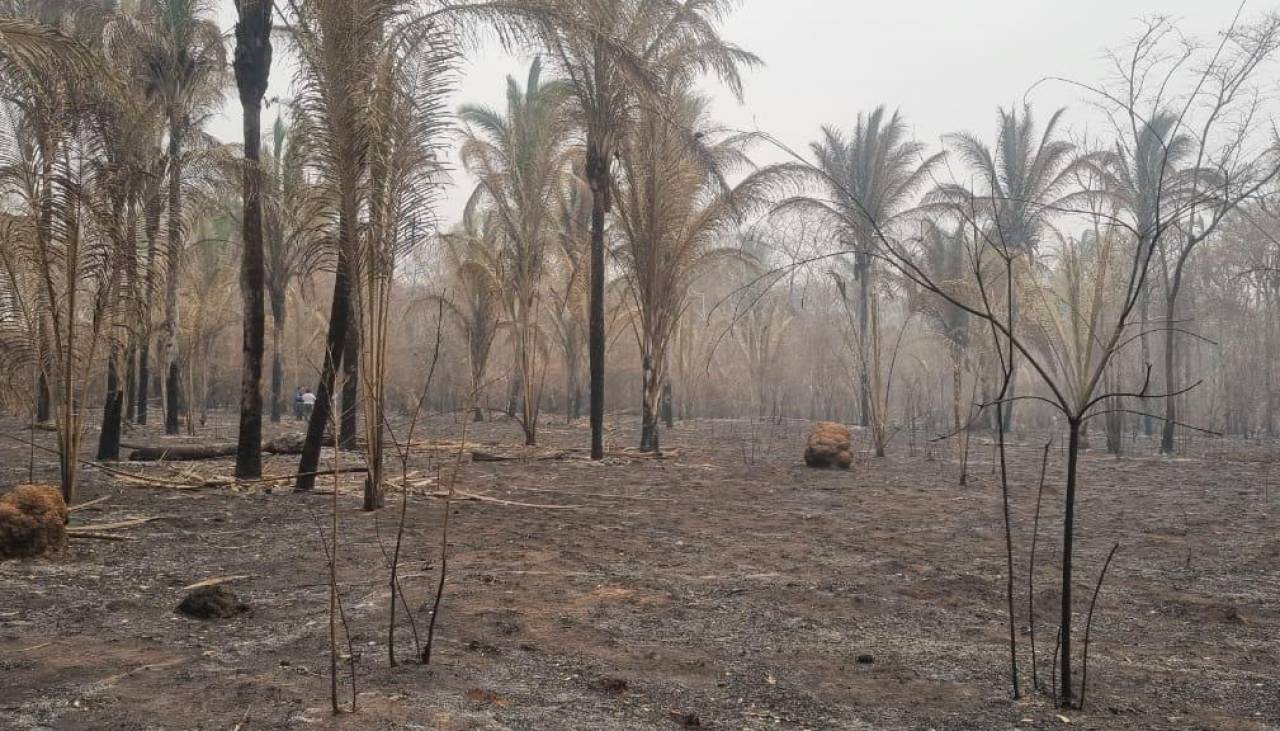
{"points": [[829, 446], [33, 521]]}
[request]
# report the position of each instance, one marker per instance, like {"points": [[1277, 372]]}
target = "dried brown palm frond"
{"points": [[567, 270], [616, 56], [473, 294], [673, 210], [520, 157], [406, 123]]}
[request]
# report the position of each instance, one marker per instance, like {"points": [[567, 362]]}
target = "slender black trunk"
{"points": [[335, 343], [252, 68], [1068, 527], [668, 412], [598, 177], [109, 437], [173, 396], [44, 398], [1170, 385]]}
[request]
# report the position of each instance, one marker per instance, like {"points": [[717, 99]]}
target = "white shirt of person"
{"points": [[309, 398]]}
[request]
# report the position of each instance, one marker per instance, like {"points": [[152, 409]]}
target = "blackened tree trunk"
{"points": [[44, 398], [350, 385], [668, 410], [1170, 382], [252, 67], [1068, 534], [109, 437], [598, 178], [335, 343]]}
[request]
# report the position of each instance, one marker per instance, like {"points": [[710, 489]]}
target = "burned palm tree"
{"points": [[946, 255], [520, 158], [608, 51], [62, 256], [181, 62], [295, 224], [1019, 186], [673, 206], [474, 294], [404, 180], [338, 43], [869, 181], [252, 69], [567, 287]]}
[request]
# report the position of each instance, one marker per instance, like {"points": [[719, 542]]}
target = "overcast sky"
{"points": [[948, 64]]}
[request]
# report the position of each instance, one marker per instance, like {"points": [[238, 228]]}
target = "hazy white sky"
{"points": [[948, 64]]}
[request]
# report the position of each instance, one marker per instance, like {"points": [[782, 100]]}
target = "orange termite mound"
{"points": [[829, 446], [33, 521]]}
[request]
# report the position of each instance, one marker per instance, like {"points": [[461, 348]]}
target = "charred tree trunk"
{"points": [[335, 344], [1068, 528], [252, 68], [44, 398], [1170, 384], [109, 437], [598, 177]]}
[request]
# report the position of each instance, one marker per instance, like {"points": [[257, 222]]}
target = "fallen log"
{"points": [[182, 452], [287, 444], [527, 456]]}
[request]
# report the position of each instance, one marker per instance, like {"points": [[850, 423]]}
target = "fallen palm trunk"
{"points": [[288, 444], [527, 455]]}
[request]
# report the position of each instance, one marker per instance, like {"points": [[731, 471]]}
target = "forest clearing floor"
{"points": [[724, 587]]}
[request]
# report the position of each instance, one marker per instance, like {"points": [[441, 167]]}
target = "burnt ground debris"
{"points": [[726, 587]]}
